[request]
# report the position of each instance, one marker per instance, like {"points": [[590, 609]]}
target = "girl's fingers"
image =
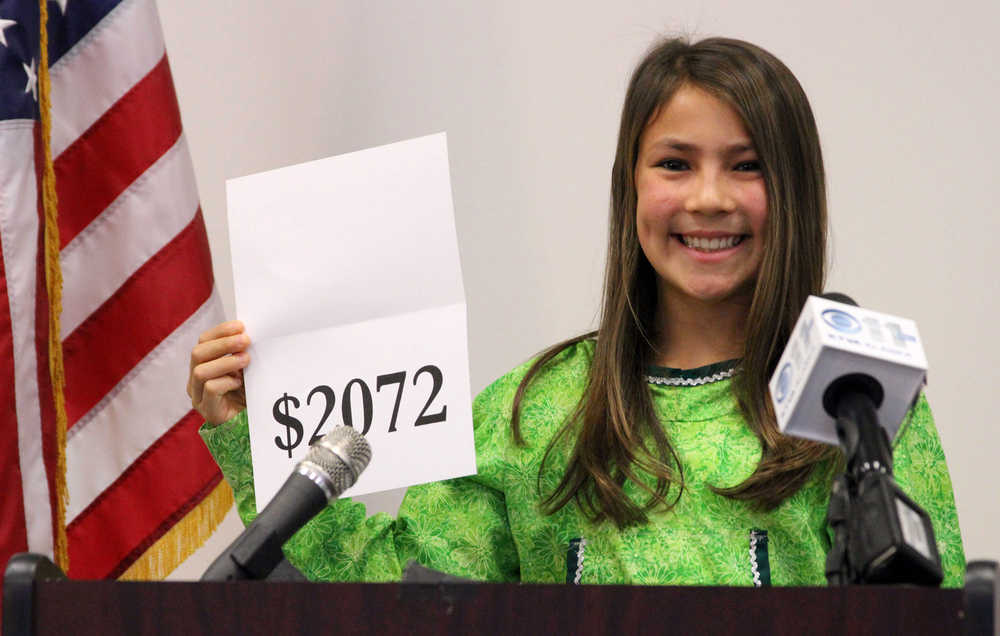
{"points": [[218, 387], [223, 398], [226, 366], [229, 328], [216, 370], [218, 347]]}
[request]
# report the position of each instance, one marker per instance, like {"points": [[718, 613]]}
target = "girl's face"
{"points": [[701, 201]]}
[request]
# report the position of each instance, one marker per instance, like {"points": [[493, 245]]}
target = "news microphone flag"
{"points": [[126, 233]]}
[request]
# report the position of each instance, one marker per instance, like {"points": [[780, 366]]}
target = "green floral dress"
{"points": [[488, 526]]}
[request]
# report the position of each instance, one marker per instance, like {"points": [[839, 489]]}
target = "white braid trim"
{"points": [[708, 379], [753, 559], [579, 562]]}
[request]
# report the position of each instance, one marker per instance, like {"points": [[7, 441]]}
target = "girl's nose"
{"points": [[709, 195]]}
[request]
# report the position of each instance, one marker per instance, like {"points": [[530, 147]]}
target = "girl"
{"points": [[645, 452]]}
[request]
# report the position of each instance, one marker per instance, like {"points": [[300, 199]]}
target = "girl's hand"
{"points": [[216, 381]]}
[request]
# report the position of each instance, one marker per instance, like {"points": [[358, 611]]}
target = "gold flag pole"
{"points": [[53, 284]]}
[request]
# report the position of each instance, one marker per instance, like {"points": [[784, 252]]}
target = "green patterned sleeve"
{"points": [[339, 544], [920, 470], [460, 526], [229, 444], [457, 526]]}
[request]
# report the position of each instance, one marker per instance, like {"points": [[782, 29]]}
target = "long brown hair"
{"points": [[617, 433]]}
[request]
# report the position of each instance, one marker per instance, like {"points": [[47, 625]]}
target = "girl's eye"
{"points": [[674, 164], [748, 166]]}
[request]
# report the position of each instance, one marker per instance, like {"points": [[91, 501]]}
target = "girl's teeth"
{"points": [[711, 245]]}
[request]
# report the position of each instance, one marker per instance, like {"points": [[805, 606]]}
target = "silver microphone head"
{"points": [[335, 461]]}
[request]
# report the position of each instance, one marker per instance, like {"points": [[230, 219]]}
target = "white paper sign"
{"points": [[347, 276]]}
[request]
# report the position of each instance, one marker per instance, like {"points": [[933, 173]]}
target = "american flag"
{"points": [[137, 290]]}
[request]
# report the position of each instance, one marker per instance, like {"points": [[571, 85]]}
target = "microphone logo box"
{"points": [[832, 339]]}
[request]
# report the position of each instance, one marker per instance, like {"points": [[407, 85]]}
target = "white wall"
{"points": [[905, 95]]}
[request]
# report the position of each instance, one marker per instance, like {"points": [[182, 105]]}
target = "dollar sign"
{"points": [[290, 423]]}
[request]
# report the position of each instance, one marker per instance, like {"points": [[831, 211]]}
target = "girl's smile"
{"points": [[709, 247]]}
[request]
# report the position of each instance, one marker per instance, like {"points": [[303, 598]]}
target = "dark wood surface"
{"points": [[104, 607]]}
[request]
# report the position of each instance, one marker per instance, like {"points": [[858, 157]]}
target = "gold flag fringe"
{"points": [[53, 284], [186, 536]]}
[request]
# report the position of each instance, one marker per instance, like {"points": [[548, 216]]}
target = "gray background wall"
{"points": [[904, 93]]}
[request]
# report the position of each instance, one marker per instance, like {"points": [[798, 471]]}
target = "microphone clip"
{"points": [[880, 534]]}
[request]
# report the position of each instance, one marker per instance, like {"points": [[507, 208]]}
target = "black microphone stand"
{"points": [[880, 534]]}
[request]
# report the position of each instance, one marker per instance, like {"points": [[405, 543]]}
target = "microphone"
{"points": [[839, 369], [834, 338], [331, 466]]}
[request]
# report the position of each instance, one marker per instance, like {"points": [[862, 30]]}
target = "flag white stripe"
{"points": [[141, 408], [104, 65], [143, 219], [19, 227]]}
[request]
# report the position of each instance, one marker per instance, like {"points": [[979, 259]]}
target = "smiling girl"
{"points": [[645, 452]]}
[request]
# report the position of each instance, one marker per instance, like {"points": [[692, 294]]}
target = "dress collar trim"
{"points": [[692, 377]]}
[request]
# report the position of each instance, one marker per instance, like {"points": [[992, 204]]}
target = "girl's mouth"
{"points": [[714, 244]]}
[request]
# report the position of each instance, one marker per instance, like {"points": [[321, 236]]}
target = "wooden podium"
{"points": [[37, 601]]}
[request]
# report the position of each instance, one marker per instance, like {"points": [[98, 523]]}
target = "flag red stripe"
{"points": [[157, 490], [152, 303], [164, 527], [13, 533], [168, 523], [123, 143]]}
